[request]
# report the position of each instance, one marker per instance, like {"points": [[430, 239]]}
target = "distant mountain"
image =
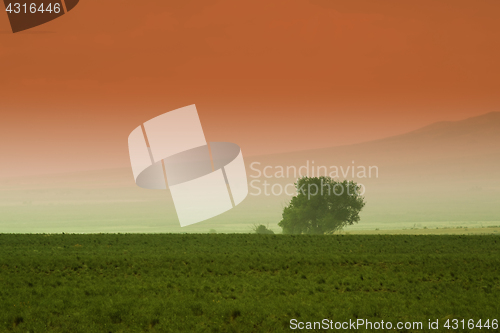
{"points": [[469, 137], [464, 147]]}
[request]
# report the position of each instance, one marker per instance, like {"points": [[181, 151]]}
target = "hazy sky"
{"points": [[270, 76]]}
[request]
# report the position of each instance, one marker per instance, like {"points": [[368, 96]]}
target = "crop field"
{"points": [[492, 230], [243, 282]]}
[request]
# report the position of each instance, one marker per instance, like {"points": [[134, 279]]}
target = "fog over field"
{"points": [[443, 175]]}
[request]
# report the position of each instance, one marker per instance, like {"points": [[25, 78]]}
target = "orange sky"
{"points": [[271, 76]]}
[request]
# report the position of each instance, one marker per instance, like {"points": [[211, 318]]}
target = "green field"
{"points": [[242, 282]]}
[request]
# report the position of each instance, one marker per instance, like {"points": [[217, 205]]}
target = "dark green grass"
{"points": [[241, 283]]}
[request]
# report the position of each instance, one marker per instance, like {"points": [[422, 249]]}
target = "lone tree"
{"points": [[321, 206]]}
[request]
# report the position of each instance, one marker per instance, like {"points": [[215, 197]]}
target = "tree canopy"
{"points": [[322, 205]]}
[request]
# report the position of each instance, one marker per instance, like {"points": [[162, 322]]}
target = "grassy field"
{"points": [[242, 283]]}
